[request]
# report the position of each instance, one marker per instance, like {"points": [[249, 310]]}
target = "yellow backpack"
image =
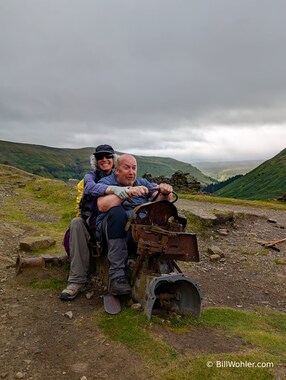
{"points": [[80, 189]]}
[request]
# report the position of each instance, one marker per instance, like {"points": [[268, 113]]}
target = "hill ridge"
{"points": [[267, 181], [66, 163]]}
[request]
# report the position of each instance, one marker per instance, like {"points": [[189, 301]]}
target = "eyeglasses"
{"points": [[102, 156]]}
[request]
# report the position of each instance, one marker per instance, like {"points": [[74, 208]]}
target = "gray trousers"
{"points": [[113, 228], [79, 251]]}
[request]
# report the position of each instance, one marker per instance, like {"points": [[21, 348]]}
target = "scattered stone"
{"points": [[89, 295], [4, 375], [33, 243], [251, 234], [14, 313], [214, 258], [79, 367], [215, 250], [19, 375], [69, 314], [271, 220], [94, 279], [83, 378], [224, 217], [222, 231]]}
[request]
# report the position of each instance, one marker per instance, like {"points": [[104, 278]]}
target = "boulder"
{"points": [[214, 250], [34, 243]]}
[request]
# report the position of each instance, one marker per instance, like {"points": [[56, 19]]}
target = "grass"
{"points": [[262, 252], [280, 262], [43, 207], [261, 328], [48, 284], [130, 328], [265, 331], [195, 223]]}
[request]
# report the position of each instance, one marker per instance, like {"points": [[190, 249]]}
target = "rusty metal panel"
{"points": [[173, 245]]}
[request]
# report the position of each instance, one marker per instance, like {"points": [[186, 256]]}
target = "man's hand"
{"points": [[121, 192], [138, 191], [165, 192], [165, 189], [124, 192]]}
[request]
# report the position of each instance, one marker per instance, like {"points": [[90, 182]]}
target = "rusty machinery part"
{"points": [[158, 229], [179, 246], [162, 213], [41, 262], [172, 201], [158, 232], [172, 292]]}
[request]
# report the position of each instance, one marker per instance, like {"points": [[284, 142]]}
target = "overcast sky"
{"points": [[196, 80]]}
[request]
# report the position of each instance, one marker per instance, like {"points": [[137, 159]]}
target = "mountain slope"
{"points": [[166, 166], [61, 163], [267, 181]]}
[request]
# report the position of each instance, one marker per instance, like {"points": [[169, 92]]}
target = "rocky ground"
{"points": [[45, 338], [248, 275]]}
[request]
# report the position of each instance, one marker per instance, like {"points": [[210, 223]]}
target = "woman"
{"points": [[102, 162]]}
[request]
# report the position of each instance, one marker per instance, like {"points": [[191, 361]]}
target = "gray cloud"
{"points": [[151, 77]]}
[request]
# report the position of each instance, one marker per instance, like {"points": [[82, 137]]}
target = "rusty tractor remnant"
{"points": [[157, 281]]}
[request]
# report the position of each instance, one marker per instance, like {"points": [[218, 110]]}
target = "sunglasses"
{"points": [[102, 156]]}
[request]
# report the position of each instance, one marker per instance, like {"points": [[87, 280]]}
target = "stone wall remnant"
{"points": [[181, 182]]}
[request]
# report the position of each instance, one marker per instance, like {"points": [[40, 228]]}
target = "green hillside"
{"points": [[61, 163], [167, 166], [267, 181]]}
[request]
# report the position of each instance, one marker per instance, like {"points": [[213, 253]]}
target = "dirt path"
{"points": [[206, 209]]}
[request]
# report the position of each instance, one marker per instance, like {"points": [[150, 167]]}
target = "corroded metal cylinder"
{"points": [[29, 262]]}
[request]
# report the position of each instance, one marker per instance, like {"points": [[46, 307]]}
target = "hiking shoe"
{"points": [[71, 291], [119, 286]]}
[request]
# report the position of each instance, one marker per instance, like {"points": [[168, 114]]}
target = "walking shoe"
{"points": [[119, 286], [71, 291]]}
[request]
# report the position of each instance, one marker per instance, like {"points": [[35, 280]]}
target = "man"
{"points": [[102, 162], [126, 191]]}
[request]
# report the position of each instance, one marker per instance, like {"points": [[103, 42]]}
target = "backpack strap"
{"points": [[87, 204]]}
